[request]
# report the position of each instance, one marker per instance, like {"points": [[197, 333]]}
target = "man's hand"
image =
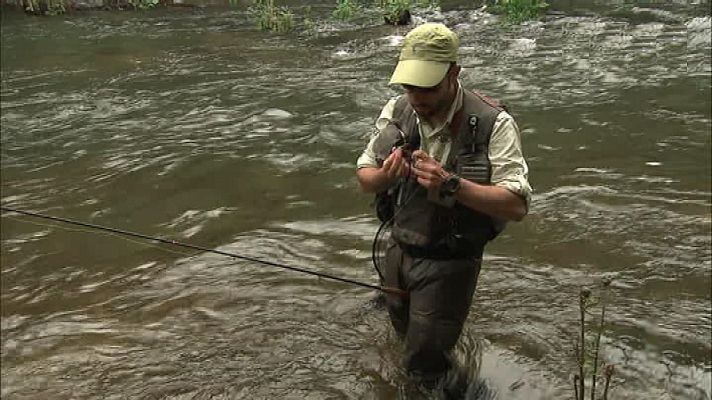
{"points": [[428, 171], [489, 199], [395, 166], [374, 179]]}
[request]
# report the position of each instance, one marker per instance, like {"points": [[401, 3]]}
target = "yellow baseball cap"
{"points": [[426, 55]]}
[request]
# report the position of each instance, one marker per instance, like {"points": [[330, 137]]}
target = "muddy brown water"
{"points": [[193, 125]]}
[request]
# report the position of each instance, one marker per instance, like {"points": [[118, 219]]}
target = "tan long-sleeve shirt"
{"points": [[509, 169]]}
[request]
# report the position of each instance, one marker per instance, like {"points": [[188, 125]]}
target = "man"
{"points": [[465, 178]]}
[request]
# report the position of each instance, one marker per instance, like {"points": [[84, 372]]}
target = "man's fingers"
{"points": [[427, 178], [398, 170], [424, 182], [424, 166], [420, 155], [408, 170], [420, 174]]}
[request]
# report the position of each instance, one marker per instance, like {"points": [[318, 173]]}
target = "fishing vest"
{"points": [[429, 229]]}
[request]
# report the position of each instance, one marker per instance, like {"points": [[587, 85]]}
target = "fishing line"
{"points": [[385, 228], [384, 289], [109, 234]]}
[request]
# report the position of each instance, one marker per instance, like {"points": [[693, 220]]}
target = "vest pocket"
{"points": [[474, 168], [420, 222]]}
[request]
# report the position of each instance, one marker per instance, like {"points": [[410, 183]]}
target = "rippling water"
{"points": [[192, 125]]}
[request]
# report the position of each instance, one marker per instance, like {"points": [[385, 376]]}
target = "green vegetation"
{"points": [[266, 14], [280, 19], [310, 25], [272, 18], [345, 10], [44, 7], [56, 7], [587, 348], [396, 12], [518, 11]]}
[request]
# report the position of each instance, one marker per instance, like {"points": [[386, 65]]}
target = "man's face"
{"points": [[433, 101]]}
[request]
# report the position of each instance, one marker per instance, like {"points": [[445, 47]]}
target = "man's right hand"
{"points": [[374, 180], [395, 166]]}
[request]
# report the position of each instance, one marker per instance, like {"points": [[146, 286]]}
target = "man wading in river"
{"points": [[464, 179]]}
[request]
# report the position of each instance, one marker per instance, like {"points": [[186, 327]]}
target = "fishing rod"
{"points": [[384, 289]]}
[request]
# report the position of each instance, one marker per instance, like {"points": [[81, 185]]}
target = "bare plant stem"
{"points": [[576, 390], [608, 372], [601, 325], [582, 345]]}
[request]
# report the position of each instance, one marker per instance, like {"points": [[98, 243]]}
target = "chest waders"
{"points": [[426, 229]]}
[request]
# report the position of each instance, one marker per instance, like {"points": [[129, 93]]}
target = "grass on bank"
{"points": [[57, 7], [272, 18], [518, 11], [345, 9], [395, 12], [46, 7]]}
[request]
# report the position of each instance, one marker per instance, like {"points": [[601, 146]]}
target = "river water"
{"points": [[192, 125]]}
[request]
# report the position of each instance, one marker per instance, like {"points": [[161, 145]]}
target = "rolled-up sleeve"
{"points": [[509, 169], [368, 156]]}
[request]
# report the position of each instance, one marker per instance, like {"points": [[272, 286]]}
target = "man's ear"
{"points": [[455, 70], [453, 73]]}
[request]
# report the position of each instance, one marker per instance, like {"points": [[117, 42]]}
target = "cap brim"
{"points": [[419, 73]]}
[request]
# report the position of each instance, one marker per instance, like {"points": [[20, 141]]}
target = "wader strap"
{"points": [[405, 119], [460, 133]]}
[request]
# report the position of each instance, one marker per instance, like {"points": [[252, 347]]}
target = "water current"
{"points": [[191, 124]]}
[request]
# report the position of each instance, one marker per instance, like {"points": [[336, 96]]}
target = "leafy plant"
{"points": [[46, 7], [272, 18], [308, 22], [396, 12], [345, 10], [518, 11]]}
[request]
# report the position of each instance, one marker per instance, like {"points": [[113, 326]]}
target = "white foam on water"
{"points": [[699, 32]]}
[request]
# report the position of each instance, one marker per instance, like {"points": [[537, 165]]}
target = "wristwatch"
{"points": [[450, 186]]}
